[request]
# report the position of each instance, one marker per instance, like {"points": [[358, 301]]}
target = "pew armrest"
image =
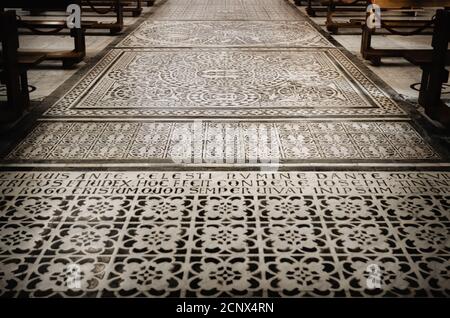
{"points": [[28, 59]]}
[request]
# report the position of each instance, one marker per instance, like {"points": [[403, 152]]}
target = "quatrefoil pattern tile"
{"points": [[210, 245], [229, 85]]}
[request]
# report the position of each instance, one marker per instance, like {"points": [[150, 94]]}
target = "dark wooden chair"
{"points": [[105, 7], [115, 8], [68, 57], [14, 66], [135, 8], [315, 7], [45, 26], [359, 8], [434, 73], [398, 27], [111, 6], [346, 6], [330, 7]]}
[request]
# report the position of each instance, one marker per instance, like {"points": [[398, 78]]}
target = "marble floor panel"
{"points": [[169, 233], [223, 142], [224, 149], [225, 34], [226, 83], [227, 10]]}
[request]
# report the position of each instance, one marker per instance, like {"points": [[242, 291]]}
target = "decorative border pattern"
{"points": [[67, 105], [225, 34], [223, 142]]}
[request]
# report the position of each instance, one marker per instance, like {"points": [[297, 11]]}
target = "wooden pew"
{"points": [[330, 7], [68, 57], [358, 8], [347, 6], [108, 6], [399, 27], [116, 7], [51, 27], [113, 8], [434, 73], [312, 6], [14, 66], [135, 7], [104, 7]]}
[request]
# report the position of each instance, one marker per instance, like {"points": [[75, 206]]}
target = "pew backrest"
{"points": [[10, 39], [394, 4], [39, 4]]}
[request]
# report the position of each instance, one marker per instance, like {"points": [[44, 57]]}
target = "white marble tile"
{"points": [[223, 142], [225, 83], [113, 219], [225, 34], [228, 233]]}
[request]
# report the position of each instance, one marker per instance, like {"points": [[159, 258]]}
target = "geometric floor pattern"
{"points": [[326, 184], [230, 83], [225, 233], [225, 34], [207, 10], [231, 142]]}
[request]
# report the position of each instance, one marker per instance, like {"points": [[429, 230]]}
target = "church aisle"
{"points": [[225, 148]]}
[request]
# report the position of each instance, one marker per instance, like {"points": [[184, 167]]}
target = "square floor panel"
{"points": [[225, 83], [225, 34]]}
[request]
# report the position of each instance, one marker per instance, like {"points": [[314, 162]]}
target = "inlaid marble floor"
{"points": [[225, 148]]}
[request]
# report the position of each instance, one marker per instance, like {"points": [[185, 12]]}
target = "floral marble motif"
{"points": [[236, 82], [225, 34], [223, 142], [209, 245], [265, 83]]}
